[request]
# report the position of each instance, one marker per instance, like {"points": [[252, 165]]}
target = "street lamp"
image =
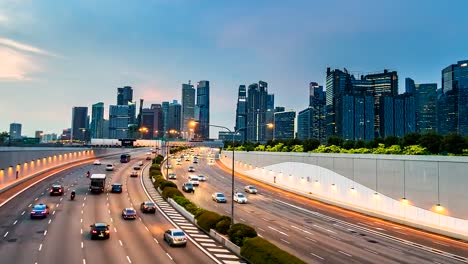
{"points": [[142, 130], [233, 133]]}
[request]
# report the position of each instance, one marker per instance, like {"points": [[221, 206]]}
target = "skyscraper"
{"points": [[151, 118], [97, 120], [15, 131], [241, 112], [284, 125], [453, 103], [39, 134], [316, 94], [175, 116], [270, 116], [188, 106], [165, 115], [409, 85], [256, 111], [79, 125], [124, 95], [119, 121], [203, 110], [425, 105]]}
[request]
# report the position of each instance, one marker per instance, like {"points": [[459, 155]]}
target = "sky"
{"points": [[58, 54]]}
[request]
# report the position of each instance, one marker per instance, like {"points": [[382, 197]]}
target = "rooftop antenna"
{"points": [[189, 81]]}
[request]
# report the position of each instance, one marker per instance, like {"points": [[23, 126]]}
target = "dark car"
{"points": [[39, 211], [148, 207], [56, 190], [100, 231], [129, 213], [116, 188], [188, 187]]}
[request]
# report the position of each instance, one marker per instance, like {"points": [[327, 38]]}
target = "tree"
{"points": [[391, 140], [310, 144], [410, 139], [4, 136], [334, 140], [453, 143], [360, 144], [348, 144], [431, 141]]}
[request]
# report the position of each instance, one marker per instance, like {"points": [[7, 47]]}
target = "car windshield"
{"points": [[178, 233], [188, 184], [220, 195], [240, 195], [39, 207], [116, 184], [109, 165], [130, 211], [149, 204]]}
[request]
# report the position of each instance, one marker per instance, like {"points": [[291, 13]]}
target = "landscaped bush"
{"points": [[158, 159], [199, 212], [223, 225], [238, 232], [171, 192], [158, 180], [166, 184], [259, 251], [208, 220]]}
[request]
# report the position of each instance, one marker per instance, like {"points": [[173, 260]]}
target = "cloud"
{"points": [[24, 47], [15, 65]]}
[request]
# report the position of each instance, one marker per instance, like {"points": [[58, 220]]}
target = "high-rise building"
{"points": [[188, 106], [363, 117], [124, 95], [284, 125], [165, 115], [175, 117], [338, 83], [425, 103], [105, 128], [316, 94], [79, 125], [49, 138], [409, 86], [15, 131], [39, 134], [203, 110], [151, 119], [119, 121], [452, 105], [97, 120], [66, 134], [241, 113], [270, 115], [256, 111]]}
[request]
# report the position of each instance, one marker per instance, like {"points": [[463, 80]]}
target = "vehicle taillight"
{"points": [[51, 190], [94, 231], [60, 190]]}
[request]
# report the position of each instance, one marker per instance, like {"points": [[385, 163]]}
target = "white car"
{"points": [[109, 167], [134, 173], [240, 198], [218, 197], [250, 189], [201, 178], [172, 176], [193, 179], [179, 160], [140, 163], [97, 162], [168, 166]]}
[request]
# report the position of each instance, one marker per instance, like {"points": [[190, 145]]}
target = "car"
{"points": [[39, 211], [193, 179], [148, 207], [148, 157], [219, 197], [134, 173], [250, 189], [179, 160], [97, 162], [109, 167], [240, 198], [56, 189], [100, 231], [129, 213], [116, 188], [187, 158], [168, 166], [195, 161], [172, 176], [188, 187], [201, 178], [175, 237], [140, 163], [211, 161], [137, 167], [191, 169]]}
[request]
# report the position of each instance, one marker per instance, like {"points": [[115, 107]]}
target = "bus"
{"points": [[124, 158]]}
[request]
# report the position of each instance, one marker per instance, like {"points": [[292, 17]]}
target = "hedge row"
{"points": [[259, 251]]}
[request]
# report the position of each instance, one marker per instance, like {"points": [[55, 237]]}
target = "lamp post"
{"points": [[233, 133], [143, 131]]}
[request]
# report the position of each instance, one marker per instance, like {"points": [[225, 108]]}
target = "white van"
{"points": [[193, 179]]}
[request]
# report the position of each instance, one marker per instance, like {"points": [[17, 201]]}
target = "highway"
{"points": [[63, 237], [316, 232]]}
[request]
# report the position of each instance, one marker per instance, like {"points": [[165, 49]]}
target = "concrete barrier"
{"points": [[182, 211], [225, 242]]}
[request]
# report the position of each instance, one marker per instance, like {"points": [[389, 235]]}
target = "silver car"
{"points": [[250, 189], [175, 237], [219, 197], [172, 176]]}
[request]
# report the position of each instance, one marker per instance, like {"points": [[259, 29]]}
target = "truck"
{"points": [[98, 181]]}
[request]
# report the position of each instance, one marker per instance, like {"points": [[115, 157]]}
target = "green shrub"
{"points": [[199, 212], [238, 232], [259, 251], [208, 220], [223, 225], [191, 207], [182, 201], [171, 192], [165, 184], [158, 181]]}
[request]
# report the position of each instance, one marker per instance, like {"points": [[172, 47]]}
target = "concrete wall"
{"points": [[424, 181], [27, 161]]}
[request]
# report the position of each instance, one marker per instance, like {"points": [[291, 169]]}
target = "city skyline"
{"points": [[48, 70]]}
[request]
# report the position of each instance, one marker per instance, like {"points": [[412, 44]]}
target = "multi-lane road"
{"points": [[316, 232], [63, 237]]}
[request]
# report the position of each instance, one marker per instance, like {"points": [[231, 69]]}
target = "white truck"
{"points": [[98, 181]]}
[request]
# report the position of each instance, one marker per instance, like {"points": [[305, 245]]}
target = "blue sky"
{"points": [[58, 54]]}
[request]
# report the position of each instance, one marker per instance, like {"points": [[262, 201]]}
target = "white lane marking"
{"points": [[242, 219], [169, 256], [61, 198], [302, 230], [81, 220], [440, 243], [23, 212], [50, 221], [371, 251], [6, 234], [115, 230], [42, 193], [344, 253], [121, 244], [53, 212], [57, 205], [81, 211], [156, 241], [40, 247], [315, 255], [84, 261], [128, 258], [281, 232], [310, 239], [82, 245], [107, 198], [45, 232], [323, 228], [84, 199], [147, 228], [36, 199], [112, 220], [82, 205], [284, 241], [109, 211], [260, 229], [81, 231], [16, 221], [29, 205]]}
